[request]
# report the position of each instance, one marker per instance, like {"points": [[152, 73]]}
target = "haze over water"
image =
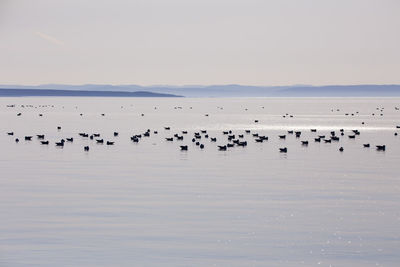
{"points": [[150, 204]]}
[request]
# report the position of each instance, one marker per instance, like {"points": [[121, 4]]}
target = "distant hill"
{"points": [[47, 92], [230, 90]]}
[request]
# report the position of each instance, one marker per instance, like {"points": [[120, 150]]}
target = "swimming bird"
{"points": [[283, 150], [40, 136], [184, 147], [170, 139], [366, 145], [381, 147], [115, 133], [213, 139], [44, 142], [28, 138], [86, 148], [317, 139], [304, 143], [222, 148], [10, 133], [282, 136], [109, 143], [341, 149], [100, 141], [201, 146], [70, 139], [16, 140]]}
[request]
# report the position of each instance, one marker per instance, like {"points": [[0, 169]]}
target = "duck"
{"points": [[304, 143], [109, 143], [10, 133], [116, 133], [317, 139], [16, 140], [44, 142], [341, 149], [222, 148], [170, 139], [184, 147], [283, 150], [61, 143], [282, 136], [201, 146], [86, 148], [366, 145], [28, 138], [213, 139], [70, 139], [100, 141], [40, 136], [381, 147]]}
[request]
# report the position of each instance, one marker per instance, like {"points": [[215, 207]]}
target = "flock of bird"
{"points": [[229, 140]]}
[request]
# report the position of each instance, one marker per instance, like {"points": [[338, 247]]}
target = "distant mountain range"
{"points": [[232, 90]]}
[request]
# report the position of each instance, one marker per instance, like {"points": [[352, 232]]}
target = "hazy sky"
{"points": [[254, 42]]}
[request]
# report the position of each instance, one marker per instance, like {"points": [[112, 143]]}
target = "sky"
{"points": [[193, 42]]}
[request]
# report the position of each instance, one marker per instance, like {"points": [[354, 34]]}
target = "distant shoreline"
{"points": [[77, 93]]}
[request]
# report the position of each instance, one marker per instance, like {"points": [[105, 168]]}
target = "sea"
{"points": [[149, 203]]}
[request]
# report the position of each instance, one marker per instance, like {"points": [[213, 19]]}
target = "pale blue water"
{"points": [[150, 204]]}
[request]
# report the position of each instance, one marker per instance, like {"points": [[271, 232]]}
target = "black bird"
{"points": [[243, 144], [341, 149], [328, 140], [366, 145], [352, 136], [304, 143], [19, 114], [96, 135], [28, 138], [282, 136], [184, 132], [247, 131], [100, 141], [58, 127], [313, 130], [169, 139], [213, 139], [40, 136], [167, 128], [86, 148], [70, 139], [317, 139], [115, 133], [381, 147], [230, 145], [201, 146], [222, 148], [44, 142], [10, 133], [61, 143], [290, 132], [109, 143], [283, 150], [184, 147], [16, 140]]}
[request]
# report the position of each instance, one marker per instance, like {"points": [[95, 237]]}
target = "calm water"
{"points": [[150, 204]]}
